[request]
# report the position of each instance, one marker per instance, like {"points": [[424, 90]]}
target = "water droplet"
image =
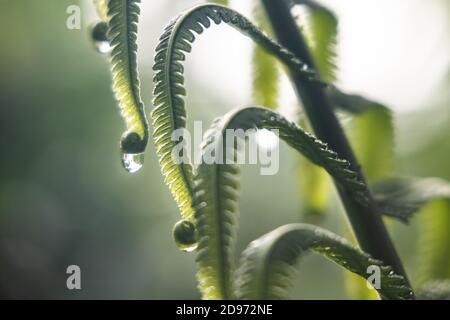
{"points": [[103, 47], [185, 235], [132, 162], [99, 34], [132, 147]]}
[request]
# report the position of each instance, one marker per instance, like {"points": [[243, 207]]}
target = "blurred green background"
{"points": [[65, 199]]}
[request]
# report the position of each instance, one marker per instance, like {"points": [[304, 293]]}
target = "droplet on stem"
{"points": [[99, 33], [132, 162], [185, 235], [132, 151]]}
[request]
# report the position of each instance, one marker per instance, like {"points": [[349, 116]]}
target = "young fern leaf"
{"points": [[169, 112], [221, 2], [267, 265], [401, 197], [375, 155], [433, 242], [321, 29], [102, 9], [215, 202], [265, 69], [315, 187], [123, 19], [435, 290], [99, 30], [216, 190], [351, 103]]}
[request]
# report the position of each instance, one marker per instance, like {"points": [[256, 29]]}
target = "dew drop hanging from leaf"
{"points": [[132, 162], [132, 148]]}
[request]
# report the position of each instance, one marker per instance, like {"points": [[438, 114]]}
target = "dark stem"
{"points": [[366, 223]]}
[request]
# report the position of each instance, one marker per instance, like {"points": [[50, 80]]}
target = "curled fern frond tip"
{"points": [[267, 265], [216, 197], [169, 111], [122, 20], [185, 235]]}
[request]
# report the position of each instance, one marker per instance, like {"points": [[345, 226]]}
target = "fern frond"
{"points": [[215, 202], [401, 197], [314, 186], [375, 155], [169, 111], [435, 290], [267, 265], [101, 7], [351, 103], [221, 2], [433, 242], [321, 28], [265, 68], [123, 20], [216, 190]]}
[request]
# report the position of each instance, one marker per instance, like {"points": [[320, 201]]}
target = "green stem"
{"points": [[366, 222]]}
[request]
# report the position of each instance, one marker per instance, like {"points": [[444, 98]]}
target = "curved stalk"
{"points": [[366, 222]]}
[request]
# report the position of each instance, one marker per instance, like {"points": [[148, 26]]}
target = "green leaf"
{"points": [[315, 187], [351, 103], [320, 28], [216, 190], [375, 154], [169, 111], [401, 197], [371, 133], [433, 242], [102, 9], [265, 69], [123, 20], [265, 79], [267, 265], [215, 202], [221, 2], [435, 290]]}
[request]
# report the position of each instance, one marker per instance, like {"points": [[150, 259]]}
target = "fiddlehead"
{"points": [[169, 112], [267, 265], [216, 190], [123, 17]]}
